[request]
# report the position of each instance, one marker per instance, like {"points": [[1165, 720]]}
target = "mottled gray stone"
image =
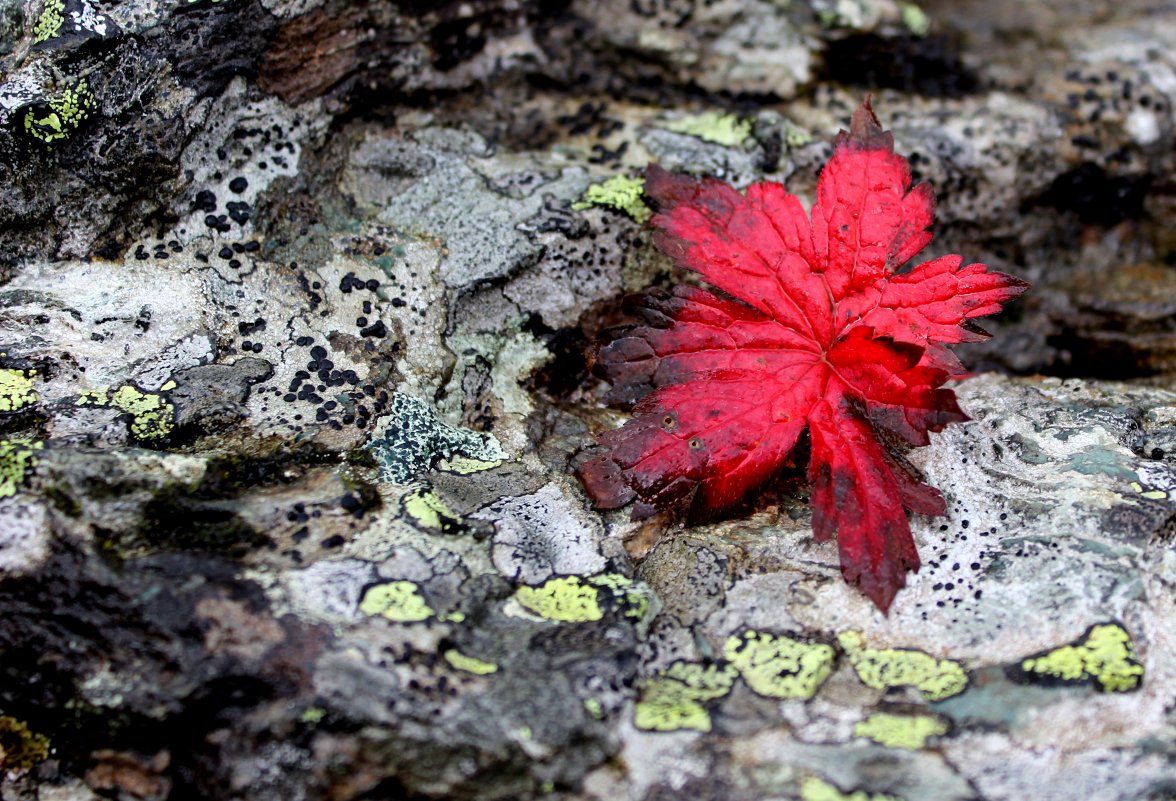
{"points": [[296, 520]]}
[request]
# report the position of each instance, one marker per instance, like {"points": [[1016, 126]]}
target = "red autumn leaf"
{"points": [[814, 330]]}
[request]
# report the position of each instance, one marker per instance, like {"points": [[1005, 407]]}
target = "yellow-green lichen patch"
{"points": [[399, 601], [779, 666], [428, 511], [814, 788], [626, 593], [20, 748], [674, 700], [464, 465], [152, 414], [901, 731], [712, 126], [883, 668], [568, 599], [915, 19], [594, 708], [583, 599], [620, 193], [1105, 656], [59, 116], [1151, 495], [17, 457], [312, 715], [468, 663], [50, 21], [16, 389]]}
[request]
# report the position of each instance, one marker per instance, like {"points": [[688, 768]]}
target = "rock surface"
{"points": [[296, 306]]}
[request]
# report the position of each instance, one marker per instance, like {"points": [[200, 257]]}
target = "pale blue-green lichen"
{"points": [[579, 599], [885, 668], [901, 731], [152, 414], [64, 114], [469, 664], [778, 666], [721, 128], [398, 601], [16, 389], [1105, 656], [814, 788], [414, 438], [17, 457], [674, 700], [620, 193], [50, 22]]}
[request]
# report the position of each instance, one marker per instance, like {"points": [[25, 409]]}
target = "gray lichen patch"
{"points": [[541, 535], [477, 225], [246, 145], [999, 557], [345, 252]]}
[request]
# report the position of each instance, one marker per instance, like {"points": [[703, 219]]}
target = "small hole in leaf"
{"points": [[670, 422], [695, 444]]}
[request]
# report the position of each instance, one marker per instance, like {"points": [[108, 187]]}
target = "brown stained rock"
{"points": [[130, 774], [1122, 319], [312, 53], [231, 628]]}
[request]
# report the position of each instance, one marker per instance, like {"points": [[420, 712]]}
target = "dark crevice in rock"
{"points": [[1097, 197], [927, 65], [568, 368]]}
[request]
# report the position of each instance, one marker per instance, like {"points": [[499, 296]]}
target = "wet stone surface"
{"points": [[296, 316]]}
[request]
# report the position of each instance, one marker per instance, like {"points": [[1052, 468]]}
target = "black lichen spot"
{"points": [[205, 201], [376, 329], [456, 41], [239, 211], [217, 222], [238, 185]]}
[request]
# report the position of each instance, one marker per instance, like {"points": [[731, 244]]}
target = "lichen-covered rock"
{"points": [[295, 353]]}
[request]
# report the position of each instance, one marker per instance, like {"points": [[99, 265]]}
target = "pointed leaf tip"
{"points": [[865, 131]]}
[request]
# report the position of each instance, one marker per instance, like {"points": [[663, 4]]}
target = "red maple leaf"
{"points": [[815, 330]]}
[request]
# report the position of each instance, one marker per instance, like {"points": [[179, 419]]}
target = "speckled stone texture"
{"points": [[297, 300]]}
